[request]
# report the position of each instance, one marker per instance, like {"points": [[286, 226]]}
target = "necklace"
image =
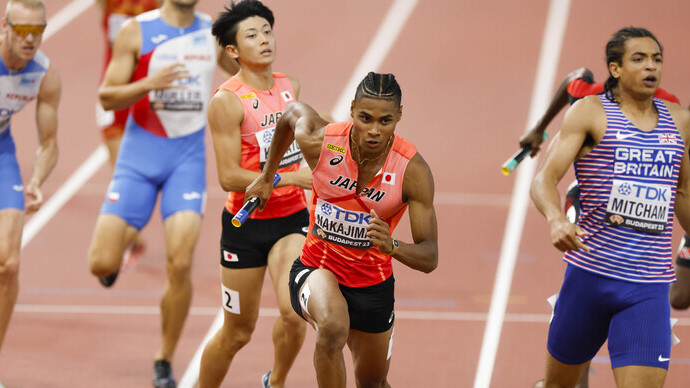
{"points": [[359, 152]]}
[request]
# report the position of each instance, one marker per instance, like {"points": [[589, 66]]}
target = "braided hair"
{"points": [[379, 86], [615, 49]]}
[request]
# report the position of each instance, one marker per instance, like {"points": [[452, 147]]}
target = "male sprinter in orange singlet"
{"points": [[242, 116], [364, 178]]}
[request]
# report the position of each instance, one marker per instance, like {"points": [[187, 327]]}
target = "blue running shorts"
{"points": [[635, 317], [11, 188], [147, 164]]}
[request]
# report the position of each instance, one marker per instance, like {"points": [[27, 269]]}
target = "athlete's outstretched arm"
{"points": [[418, 191], [579, 123], [299, 121], [116, 91], [535, 137], [47, 103]]}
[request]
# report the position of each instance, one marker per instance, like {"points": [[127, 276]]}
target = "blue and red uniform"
{"points": [[163, 145]]}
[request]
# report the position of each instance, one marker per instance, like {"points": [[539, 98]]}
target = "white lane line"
{"points": [[61, 18], [65, 15], [412, 315], [64, 194], [378, 49], [385, 37], [552, 40]]}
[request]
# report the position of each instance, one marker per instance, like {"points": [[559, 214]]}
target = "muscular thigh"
{"points": [[241, 293], [315, 295], [581, 318], [182, 231], [640, 333]]}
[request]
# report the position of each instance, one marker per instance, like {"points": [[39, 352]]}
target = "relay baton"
{"points": [[249, 206], [514, 160]]}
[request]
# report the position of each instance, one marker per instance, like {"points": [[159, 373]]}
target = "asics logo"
{"points": [[336, 161], [159, 38], [663, 359], [19, 188], [623, 136]]}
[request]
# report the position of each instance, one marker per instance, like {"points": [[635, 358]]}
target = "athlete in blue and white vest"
{"points": [[162, 68], [628, 150], [25, 75]]}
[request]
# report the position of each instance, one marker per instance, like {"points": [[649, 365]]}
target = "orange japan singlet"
{"points": [[262, 109], [338, 218]]}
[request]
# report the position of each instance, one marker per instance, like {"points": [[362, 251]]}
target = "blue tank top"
{"points": [[627, 191]]}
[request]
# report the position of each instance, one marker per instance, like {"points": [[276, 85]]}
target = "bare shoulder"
{"points": [[587, 105], [586, 114], [129, 36], [419, 181], [225, 107], [306, 120], [681, 117]]}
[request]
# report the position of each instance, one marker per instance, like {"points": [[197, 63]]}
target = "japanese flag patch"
{"points": [[388, 178]]}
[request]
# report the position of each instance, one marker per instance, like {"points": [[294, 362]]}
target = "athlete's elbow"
{"points": [[230, 183], [228, 186], [105, 101], [430, 264]]}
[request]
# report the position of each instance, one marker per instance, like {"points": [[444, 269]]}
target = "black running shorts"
{"points": [[370, 308], [248, 245]]}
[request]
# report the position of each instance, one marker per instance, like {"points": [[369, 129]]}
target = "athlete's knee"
{"points": [[293, 324], [179, 269], [101, 263], [235, 338], [9, 269], [331, 335]]}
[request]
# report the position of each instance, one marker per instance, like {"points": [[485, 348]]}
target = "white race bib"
{"points": [[640, 206]]}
